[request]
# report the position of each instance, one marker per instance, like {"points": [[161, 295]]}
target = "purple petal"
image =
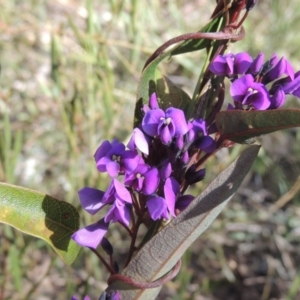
{"points": [[119, 212], [151, 120], [178, 118], [171, 189], [102, 150], [165, 135], [112, 168], [277, 100], [165, 171], [139, 141], [102, 162], [282, 67], [292, 86], [206, 143], [199, 125], [92, 235], [109, 195], [151, 181], [185, 157], [222, 65], [153, 101], [91, 199], [242, 62], [117, 149], [240, 87], [179, 143], [259, 97], [257, 64], [130, 160], [121, 192], [157, 208]]}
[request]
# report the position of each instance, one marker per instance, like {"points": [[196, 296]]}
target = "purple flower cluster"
{"points": [[150, 175], [250, 79]]}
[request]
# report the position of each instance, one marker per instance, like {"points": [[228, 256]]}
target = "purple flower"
{"points": [[257, 64], [291, 86], [92, 235], [157, 207], [116, 191], [160, 207], [242, 62], [113, 158], [195, 127], [166, 125], [246, 91], [144, 179], [283, 66], [92, 200], [230, 64], [277, 99], [118, 212], [223, 65], [139, 141], [198, 133]]}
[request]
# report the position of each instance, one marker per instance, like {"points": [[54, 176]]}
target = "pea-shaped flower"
{"points": [[166, 125]]}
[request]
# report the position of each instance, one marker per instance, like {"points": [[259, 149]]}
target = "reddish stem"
{"points": [[194, 36], [146, 285], [108, 267]]}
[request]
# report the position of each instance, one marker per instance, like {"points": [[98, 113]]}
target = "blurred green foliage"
{"points": [[69, 73]]}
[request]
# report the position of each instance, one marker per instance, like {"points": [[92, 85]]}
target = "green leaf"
{"points": [[42, 216], [161, 253], [239, 126]]}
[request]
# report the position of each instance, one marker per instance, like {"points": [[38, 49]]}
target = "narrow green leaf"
{"points": [[239, 126], [42, 216], [161, 253]]}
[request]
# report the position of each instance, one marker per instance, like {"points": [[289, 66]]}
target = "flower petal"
{"points": [[157, 208], [139, 141], [91, 199], [242, 62], [121, 192], [92, 235], [151, 120], [178, 118], [153, 101], [119, 212], [171, 189], [240, 87], [151, 181]]}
